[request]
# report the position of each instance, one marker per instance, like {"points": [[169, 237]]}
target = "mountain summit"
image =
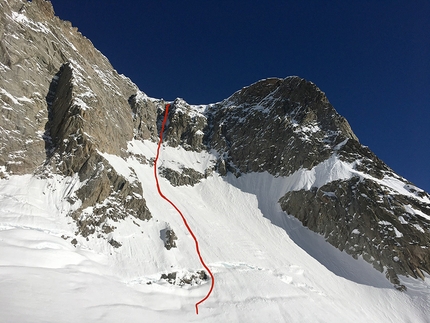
{"points": [[286, 200], [337, 187]]}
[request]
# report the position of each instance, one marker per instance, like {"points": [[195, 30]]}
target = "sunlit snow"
{"points": [[267, 266]]}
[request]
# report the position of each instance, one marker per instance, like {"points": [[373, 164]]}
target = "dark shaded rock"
{"points": [[276, 125], [169, 238], [220, 167], [192, 279], [188, 176], [367, 219], [364, 159], [186, 126], [114, 243], [203, 275], [170, 277]]}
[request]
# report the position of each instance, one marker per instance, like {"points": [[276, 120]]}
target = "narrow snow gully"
{"points": [[166, 113]]}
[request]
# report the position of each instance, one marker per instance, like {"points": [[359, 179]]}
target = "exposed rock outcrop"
{"points": [[182, 279], [369, 220], [186, 127], [75, 106], [188, 176], [169, 238], [39, 50], [144, 116], [276, 125]]}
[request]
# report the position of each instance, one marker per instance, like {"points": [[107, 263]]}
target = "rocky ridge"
{"points": [[276, 125], [60, 85], [282, 126], [78, 110]]}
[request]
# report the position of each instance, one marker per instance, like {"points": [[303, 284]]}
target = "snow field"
{"points": [[267, 267]]}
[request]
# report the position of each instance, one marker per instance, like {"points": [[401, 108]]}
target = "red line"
{"points": [[179, 211]]}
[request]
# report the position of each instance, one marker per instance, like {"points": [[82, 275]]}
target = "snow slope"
{"points": [[267, 267]]}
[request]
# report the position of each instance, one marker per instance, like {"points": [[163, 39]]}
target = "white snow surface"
{"points": [[267, 266]]}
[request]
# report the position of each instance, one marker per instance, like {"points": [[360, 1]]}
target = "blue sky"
{"points": [[371, 58]]}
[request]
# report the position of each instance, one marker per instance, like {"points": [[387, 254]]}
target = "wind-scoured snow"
{"points": [[267, 266]]}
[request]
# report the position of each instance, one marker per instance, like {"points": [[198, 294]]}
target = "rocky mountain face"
{"points": [[64, 108], [277, 126], [282, 126], [62, 103]]}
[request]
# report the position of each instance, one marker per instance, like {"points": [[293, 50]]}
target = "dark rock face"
{"points": [[369, 220], [188, 176], [169, 237], [277, 126], [364, 160], [186, 126], [114, 243]]}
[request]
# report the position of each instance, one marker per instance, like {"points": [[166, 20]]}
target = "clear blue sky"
{"points": [[371, 58]]}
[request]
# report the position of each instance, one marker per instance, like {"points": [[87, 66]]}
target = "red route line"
{"points": [[179, 211]]}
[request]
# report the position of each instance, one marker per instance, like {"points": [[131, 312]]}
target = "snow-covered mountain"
{"points": [[296, 219]]}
